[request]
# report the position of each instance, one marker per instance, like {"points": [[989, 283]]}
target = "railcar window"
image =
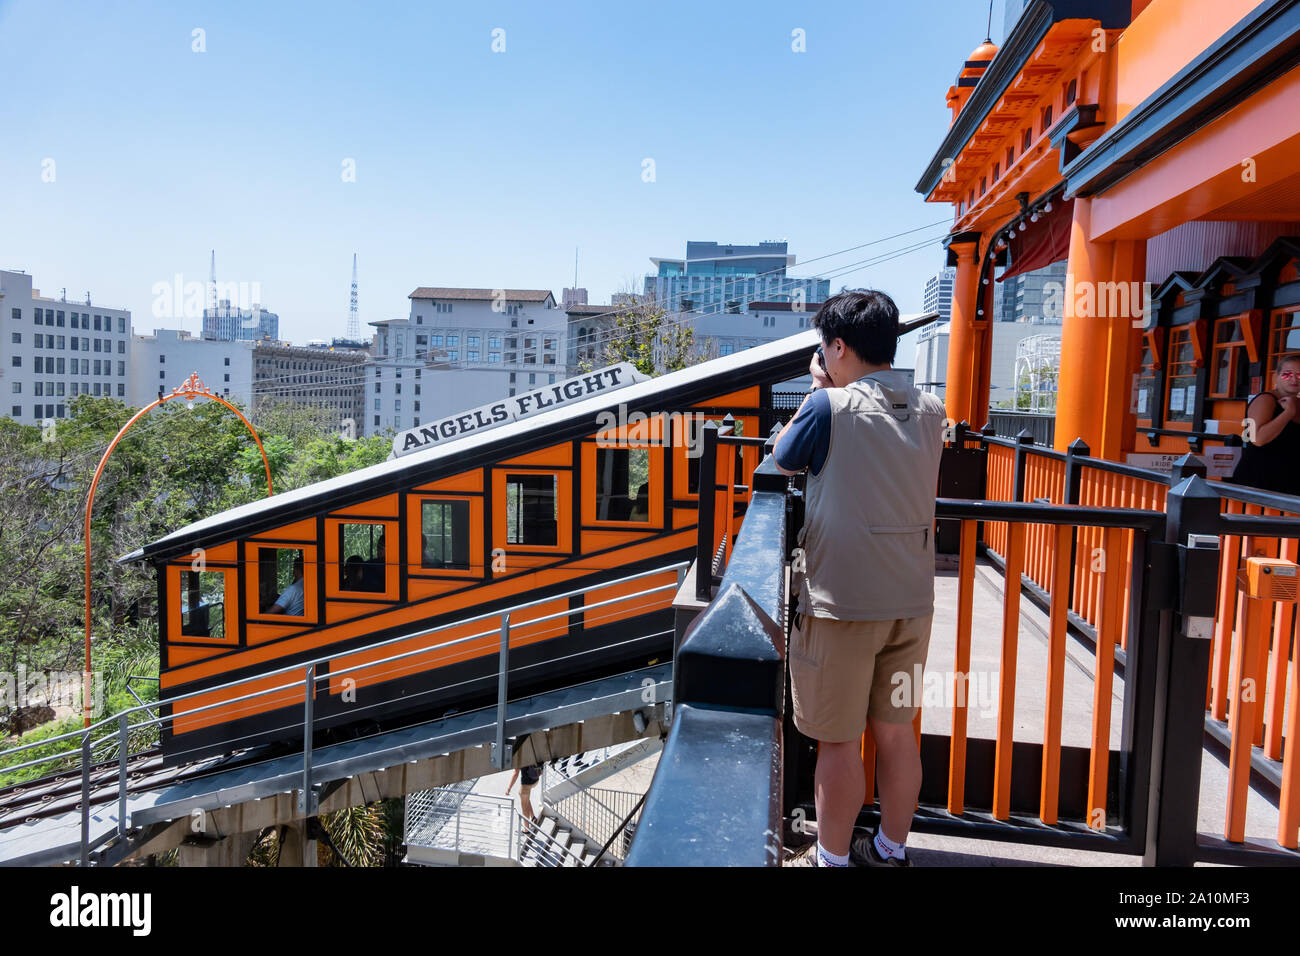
{"points": [[278, 574], [444, 527], [531, 515], [203, 604], [622, 484], [363, 557]]}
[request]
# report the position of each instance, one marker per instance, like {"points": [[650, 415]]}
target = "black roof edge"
{"points": [[1029, 31], [1259, 48], [577, 425]]}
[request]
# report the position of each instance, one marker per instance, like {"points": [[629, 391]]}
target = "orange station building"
{"points": [[1155, 146]]}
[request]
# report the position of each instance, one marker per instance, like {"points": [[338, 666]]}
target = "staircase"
{"points": [[553, 841], [451, 826], [570, 775]]}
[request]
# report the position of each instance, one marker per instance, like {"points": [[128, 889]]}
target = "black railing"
{"points": [[716, 795], [717, 517], [719, 797], [1010, 423]]}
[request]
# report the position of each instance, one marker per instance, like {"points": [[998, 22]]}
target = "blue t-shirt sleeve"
{"points": [[807, 439]]}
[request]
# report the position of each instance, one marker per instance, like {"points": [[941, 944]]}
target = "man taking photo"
{"points": [[871, 444]]}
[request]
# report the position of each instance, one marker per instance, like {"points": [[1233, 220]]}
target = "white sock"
{"points": [[887, 847], [826, 858]]}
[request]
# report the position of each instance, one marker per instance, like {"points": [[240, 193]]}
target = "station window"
{"points": [[1230, 359], [531, 509], [444, 534], [203, 604], [622, 484], [1148, 380], [1180, 405], [280, 581], [364, 566], [1285, 339]]}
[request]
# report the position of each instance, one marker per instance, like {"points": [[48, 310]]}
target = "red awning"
{"points": [[1042, 242]]}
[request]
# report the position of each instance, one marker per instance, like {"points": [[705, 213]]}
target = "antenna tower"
{"points": [[212, 285], [354, 321]]}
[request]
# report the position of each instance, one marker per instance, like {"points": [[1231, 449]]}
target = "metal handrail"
{"points": [[595, 817], [1232, 492], [307, 797], [81, 732], [621, 827], [975, 509], [548, 844]]}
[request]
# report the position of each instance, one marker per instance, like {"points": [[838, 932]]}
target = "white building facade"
{"points": [[167, 358], [54, 350], [460, 348], [937, 296], [931, 364], [931, 369]]}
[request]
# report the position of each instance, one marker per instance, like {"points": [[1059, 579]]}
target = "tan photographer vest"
{"points": [[868, 534]]}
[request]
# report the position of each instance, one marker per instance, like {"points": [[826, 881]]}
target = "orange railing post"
{"points": [[1113, 605], [965, 607], [1007, 673], [1241, 714], [1049, 792]]}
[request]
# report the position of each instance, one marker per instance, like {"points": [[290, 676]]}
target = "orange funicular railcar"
{"points": [[568, 500]]}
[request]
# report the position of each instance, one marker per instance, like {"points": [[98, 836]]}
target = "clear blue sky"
{"points": [[473, 168]]}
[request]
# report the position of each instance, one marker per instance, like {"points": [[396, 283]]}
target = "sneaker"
{"points": [[863, 852]]}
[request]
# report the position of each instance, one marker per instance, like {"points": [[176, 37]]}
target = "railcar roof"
{"points": [[770, 362]]}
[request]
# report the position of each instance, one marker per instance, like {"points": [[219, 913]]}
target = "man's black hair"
{"points": [[867, 321]]}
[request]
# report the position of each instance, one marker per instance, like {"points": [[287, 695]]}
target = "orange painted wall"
{"points": [[1164, 38], [1203, 173]]}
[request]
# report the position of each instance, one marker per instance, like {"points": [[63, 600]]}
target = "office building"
{"points": [[460, 348], [938, 294], [252, 374], [229, 323], [54, 350], [720, 278]]}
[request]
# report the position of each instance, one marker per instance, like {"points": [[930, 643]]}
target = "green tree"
{"points": [[643, 333]]}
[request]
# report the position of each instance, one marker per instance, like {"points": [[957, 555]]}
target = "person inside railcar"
{"points": [[353, 573], [641, 504], [1270, 458], [290, 601], [375, 571]]}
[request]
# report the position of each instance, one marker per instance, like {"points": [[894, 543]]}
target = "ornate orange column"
{"points": [[964, 347], [1085, 339], [1128, 271]]}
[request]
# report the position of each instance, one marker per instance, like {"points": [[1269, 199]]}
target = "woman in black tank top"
{"points": [[1272, 460]]}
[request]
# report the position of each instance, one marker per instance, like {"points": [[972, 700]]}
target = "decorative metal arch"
{"points": [[191, 388]]}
